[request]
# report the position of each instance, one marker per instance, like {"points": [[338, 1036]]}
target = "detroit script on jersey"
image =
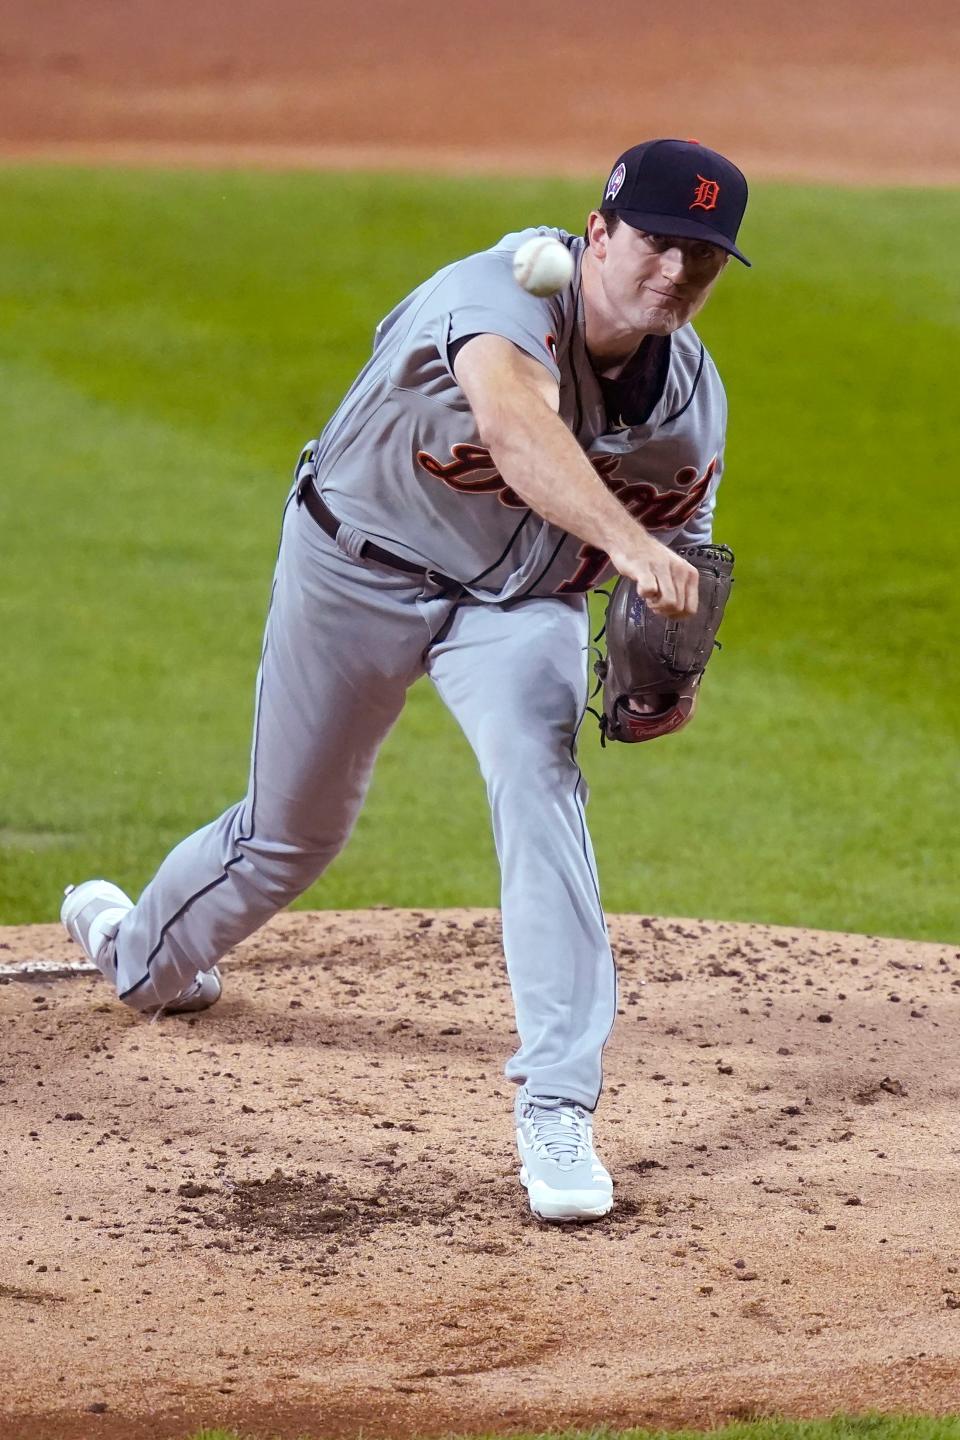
{"points": [[401, 458], [471, 471]]}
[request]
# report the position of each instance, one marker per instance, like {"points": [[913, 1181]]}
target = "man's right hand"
{"points": [[668, 583]]}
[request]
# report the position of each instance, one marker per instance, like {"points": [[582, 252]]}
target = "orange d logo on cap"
{"points": [[706, 195]]}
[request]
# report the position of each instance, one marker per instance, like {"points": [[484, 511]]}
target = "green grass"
{"points": [[167, 341], [869, 1427]]}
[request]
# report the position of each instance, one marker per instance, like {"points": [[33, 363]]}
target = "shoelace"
{"points": [[559, 1129]]}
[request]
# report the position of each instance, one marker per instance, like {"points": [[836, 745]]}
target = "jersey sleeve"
{"points": [[481, 297]]}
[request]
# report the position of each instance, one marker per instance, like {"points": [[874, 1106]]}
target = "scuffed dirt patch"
{"points": [[300, 1214], [304, 1206]]}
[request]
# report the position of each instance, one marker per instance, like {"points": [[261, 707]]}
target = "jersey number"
{"points": [[655, 509]]}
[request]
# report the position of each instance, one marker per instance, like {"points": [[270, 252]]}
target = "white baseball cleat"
{"points": [[91, 914], [205, 991], [564, 1178]]}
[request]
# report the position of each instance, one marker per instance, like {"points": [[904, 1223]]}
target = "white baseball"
{"points": [[543, 265]]}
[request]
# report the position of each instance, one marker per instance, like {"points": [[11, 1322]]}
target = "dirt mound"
{"points": [[300, 1212]]}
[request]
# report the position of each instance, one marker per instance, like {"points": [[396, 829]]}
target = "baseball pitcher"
{"points": [[501, 454]]}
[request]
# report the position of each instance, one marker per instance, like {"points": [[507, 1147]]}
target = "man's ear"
{"points": [[597, 237]]}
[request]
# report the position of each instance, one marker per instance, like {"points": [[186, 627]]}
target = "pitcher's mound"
{"points": [[299, 1213]]}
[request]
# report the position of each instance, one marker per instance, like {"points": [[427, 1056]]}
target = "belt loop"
{"points": [[351, 541]]}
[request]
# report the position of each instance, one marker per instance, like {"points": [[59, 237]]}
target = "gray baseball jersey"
{"points": [[401, 459]]}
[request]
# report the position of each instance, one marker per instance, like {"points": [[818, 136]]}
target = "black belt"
{"points": [[308, 495]]}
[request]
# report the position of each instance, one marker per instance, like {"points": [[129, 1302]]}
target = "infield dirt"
{"points": [[858, 92], [300, 1211]]}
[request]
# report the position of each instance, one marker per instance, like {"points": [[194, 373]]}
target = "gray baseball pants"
{"points": [[344, 640]]}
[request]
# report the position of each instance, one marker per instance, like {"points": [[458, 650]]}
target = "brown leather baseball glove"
{"points": [[652, 669]]}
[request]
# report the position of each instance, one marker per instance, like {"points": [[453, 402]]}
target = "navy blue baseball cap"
{"points": [[679, 187]]}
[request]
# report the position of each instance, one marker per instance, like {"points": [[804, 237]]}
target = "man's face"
{"points": [[653, 283]]}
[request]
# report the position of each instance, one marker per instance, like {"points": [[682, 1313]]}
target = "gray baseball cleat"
{"points": [[564, 1177], [91, 914]]}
